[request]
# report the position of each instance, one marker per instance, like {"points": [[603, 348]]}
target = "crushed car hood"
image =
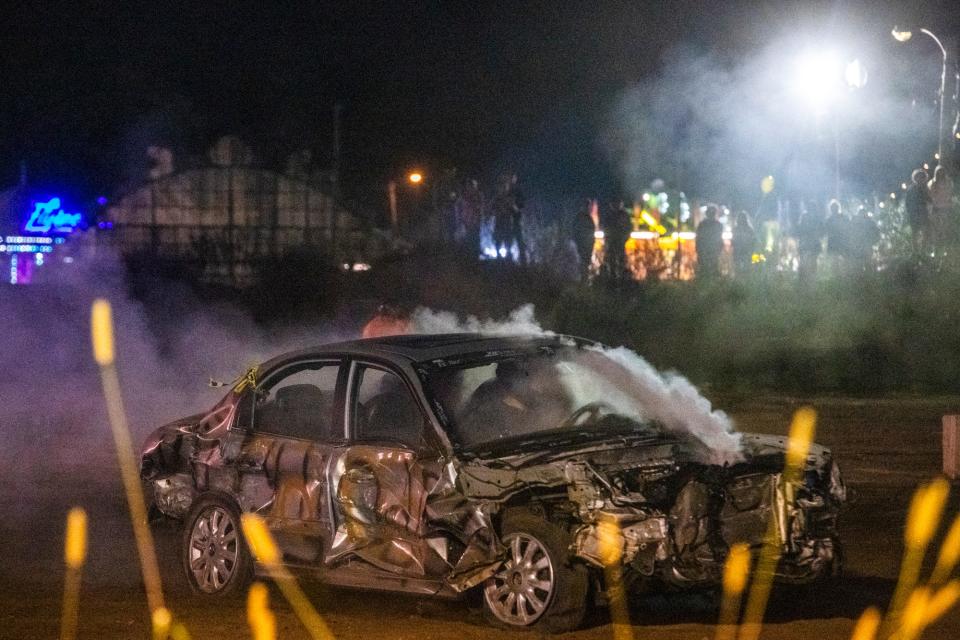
{"points": [[615, 447], [756, 445], [494, 474]]}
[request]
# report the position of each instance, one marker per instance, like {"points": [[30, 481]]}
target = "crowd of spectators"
{"points": [[806, 237]]}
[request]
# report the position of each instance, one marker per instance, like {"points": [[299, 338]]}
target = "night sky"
{"points": [[483, 86]]}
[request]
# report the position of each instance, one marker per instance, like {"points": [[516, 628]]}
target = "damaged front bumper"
{"points": [[686, 545]]}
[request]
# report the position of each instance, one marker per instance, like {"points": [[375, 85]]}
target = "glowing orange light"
{"points": [[415, 177]]}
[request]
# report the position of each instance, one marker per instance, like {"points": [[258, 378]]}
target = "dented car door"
{"points": [[293, 423], [384, 477]]}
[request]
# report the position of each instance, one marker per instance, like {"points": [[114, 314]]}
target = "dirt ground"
{"points": [[885, 446]]}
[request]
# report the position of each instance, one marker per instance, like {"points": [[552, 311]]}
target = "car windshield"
{"points": [[531, 395]]}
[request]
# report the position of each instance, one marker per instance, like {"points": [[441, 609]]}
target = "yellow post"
{"points": [[161, 619], [735, 573], [923, 519], [265, 550], [914, 614], [263, 624], [867, 625], [801, 435], [611, 554], [101, 329], [942, 601], [74, 556], [948, 556]]}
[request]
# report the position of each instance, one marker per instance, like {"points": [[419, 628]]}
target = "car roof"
{"points": [[426, 347]]}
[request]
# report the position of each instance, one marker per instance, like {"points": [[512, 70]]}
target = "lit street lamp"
{"points": [[817, 80], [414, 179], [903, 36], [820, 78]]}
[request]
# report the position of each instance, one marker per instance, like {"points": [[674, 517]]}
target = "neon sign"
{"points": [[49, 217]]}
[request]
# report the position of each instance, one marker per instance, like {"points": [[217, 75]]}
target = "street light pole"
{"points": [[820, 79], [836, 158], [903, 36], [943, 89]]}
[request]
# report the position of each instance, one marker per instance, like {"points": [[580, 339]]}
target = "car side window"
{"points": [[300, 403], [385, 410]]}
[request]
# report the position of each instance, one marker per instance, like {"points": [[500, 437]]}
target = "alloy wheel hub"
{"points": [[521, 591], [214, 549]]}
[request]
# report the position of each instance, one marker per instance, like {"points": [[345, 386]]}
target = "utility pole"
{"points": [[335, 168], [335, 180]]}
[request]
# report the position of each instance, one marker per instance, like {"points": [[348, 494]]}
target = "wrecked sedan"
{"points": [[444, 464]]}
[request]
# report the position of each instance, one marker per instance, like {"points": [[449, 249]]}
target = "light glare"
{"points": [[817, 77], [855, 74], [901, 36]]}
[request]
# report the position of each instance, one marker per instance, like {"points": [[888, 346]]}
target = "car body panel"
{"points": [[423, 518]]}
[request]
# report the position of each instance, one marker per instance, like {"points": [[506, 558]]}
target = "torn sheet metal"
{"points": [[406, 517]]}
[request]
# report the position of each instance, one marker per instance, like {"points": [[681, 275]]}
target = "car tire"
{"points": [[548, 592], [833, 575], [216, 560]]}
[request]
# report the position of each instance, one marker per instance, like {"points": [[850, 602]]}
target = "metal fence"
{"points": [[225, 218]]}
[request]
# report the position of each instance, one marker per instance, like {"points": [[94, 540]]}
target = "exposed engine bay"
{"points": [[677, 520]]}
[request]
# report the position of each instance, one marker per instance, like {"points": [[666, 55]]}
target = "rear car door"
{"points": [[296, 424]]}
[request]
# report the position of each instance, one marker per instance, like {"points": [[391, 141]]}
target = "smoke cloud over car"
{"points": [[630, 383], [675, 402]]}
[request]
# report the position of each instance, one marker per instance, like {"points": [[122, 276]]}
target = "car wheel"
{"points": [[832, 575], [538, 586], [216, 560]]}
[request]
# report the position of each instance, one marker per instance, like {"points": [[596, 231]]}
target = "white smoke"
{"points": [[627, 382], [675, 402], [53, 424], [521, 321]]}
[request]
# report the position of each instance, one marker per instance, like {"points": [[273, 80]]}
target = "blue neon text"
{"points": [[49, 216]]}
